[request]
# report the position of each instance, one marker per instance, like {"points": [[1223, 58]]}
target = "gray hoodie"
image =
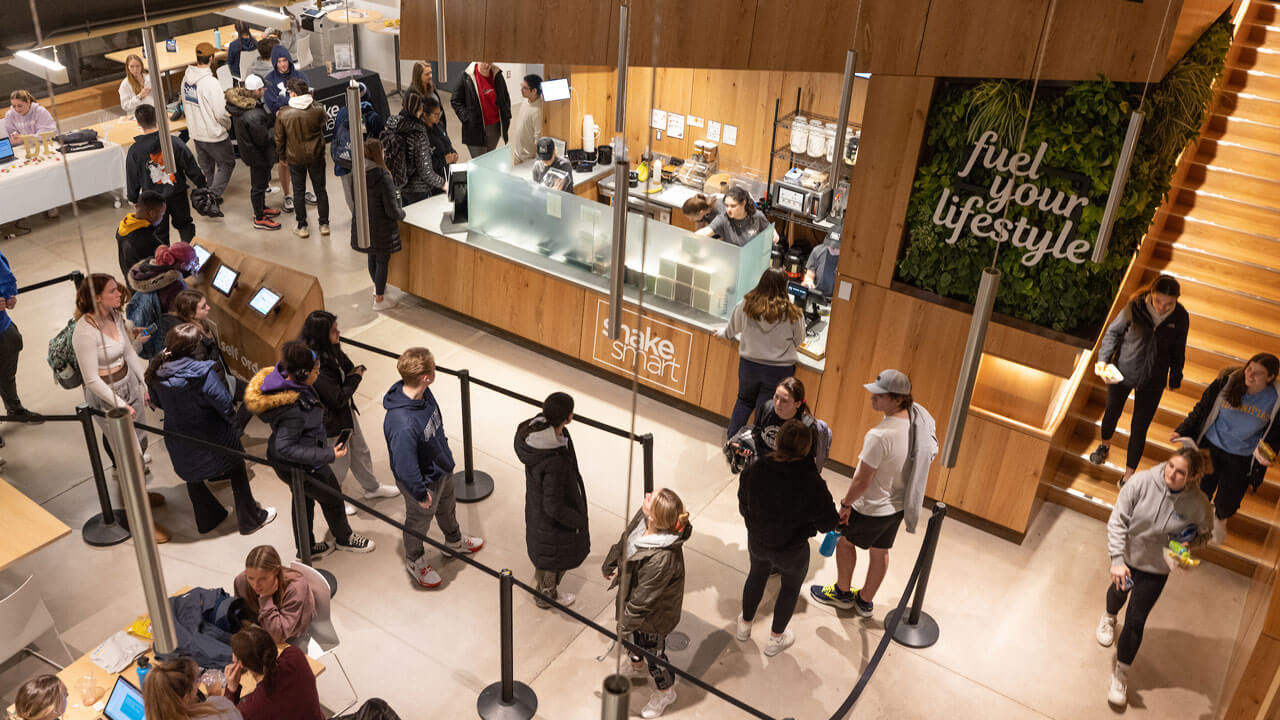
{"points": [[768, 343], [1148, 515]]}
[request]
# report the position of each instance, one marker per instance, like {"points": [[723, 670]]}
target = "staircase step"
{"points": [[1259, 284], [1243, 131], [1227, 213], [1257, 58], [1235, 182], [1245, 105], [1204, 236], [1241, 158], [1264, 13], [1205, 294], [1235, 340], [1252, 82]]}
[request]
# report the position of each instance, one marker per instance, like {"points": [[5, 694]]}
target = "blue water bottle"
{"points": [[828, 547], [144, 667], [217, 38]]}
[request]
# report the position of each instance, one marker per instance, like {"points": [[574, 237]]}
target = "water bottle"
{"points": [[144, 667], [828, 547], [217, 38]]}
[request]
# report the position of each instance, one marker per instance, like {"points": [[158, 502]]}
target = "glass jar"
{"points": [[799, 134], [829, 137], [850, 147], [817, 139]]}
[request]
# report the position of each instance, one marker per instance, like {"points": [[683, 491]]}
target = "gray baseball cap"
{"points": [[890, 381]]}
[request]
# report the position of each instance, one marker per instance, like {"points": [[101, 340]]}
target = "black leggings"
{"points": [[1142, 597], [662, 676], [792, 564], [330, 506], [378, 265], [1145, 403], [209, 511], [1228, 482]]}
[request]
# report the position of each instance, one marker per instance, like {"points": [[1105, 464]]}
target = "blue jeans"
{"points": [[756, 383]]}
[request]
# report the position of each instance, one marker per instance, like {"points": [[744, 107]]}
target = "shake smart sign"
{"points": [[662, 350]]}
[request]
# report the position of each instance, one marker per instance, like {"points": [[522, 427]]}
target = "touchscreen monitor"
{"points": [[224, 281], [264, 301], [553, 90], [202, 255]]}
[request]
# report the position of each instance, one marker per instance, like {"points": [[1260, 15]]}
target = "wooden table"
{"points": [[121, 131], [28, 527], [354, 17], [186, 52]]}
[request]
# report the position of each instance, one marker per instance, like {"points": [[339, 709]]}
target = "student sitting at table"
{"points": [[171, 692], [26, 117], [41, 698], [286, 687], [278, 598], [135, 88], [244, 42]]}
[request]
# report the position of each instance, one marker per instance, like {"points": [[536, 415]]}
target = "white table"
{"points": [[32, 189]]}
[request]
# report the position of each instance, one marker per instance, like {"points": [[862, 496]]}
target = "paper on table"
{"points": [[658, 120], [675, 125], [118, 652]]}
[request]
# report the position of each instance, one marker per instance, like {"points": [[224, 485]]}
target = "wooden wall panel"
{"points": [[435, 268], [1037, 351], [889, 42], [549, 31], [779, 23], [720, 378], [1087, 33], [666, 89], [744, 99], [1194, 18], [689, 34], [1254, 696], [553, 320], [465, 30], [682, 379], [996, 474], [981, 38], [593, 93], [892, 131]]}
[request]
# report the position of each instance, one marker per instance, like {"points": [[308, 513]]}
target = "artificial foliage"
{"points": [[1084, 126]]}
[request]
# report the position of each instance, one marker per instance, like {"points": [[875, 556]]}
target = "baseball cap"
{"points": [[546, 148], [205, 49], [253, 82], [890, 381]]}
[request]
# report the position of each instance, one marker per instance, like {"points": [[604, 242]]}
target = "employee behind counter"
{"points": [[740, 222], [550, 169]]}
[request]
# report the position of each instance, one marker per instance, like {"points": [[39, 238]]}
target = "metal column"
{"points": [[969, 367], [621, 169], [842, 122], [157, 95], [359, 189]]}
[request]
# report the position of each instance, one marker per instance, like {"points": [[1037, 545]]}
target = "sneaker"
{"points": [[357, 543], [1118, 693], [422, 573], [1106, 633], [271, 515], [302, 232], [860, 606], [467, 544], [1099, 456], [1219, 533], [829, 595], [265, 223], [383, 491], [744, 629], [324, 228], [146, 458], [349, 508], [565, 599], [658, 703], [270, 212], [27, 416], [311, 198], [273, 189], [288, 203], [778, 643], [319, 550], [385, 304]]}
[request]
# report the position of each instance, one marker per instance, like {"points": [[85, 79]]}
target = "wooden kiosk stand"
{"points": [[249, 340]]}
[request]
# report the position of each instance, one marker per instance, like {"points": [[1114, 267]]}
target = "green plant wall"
{"points": [[1084, 126]]}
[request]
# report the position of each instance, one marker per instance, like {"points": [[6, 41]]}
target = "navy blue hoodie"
{"points": [[277, 95], [420, 455]]}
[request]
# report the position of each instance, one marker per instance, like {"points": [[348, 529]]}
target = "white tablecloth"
{"points": [[32, 189]]}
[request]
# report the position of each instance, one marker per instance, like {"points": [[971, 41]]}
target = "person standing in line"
{"points": [[276, 98], [10, 347], [254, 132], [1160, 504], [191, 306], [771, 329], [278, 598], [244, 42], [171, 692], [887, 487], [286, 687], [1235, 421], [423, 83], [371, 126], [786, 404], [385, 215], [417, 149], [194, 395], [136, 235], [784, 502], [135, 88], [300, 141], [284, 397], [144, 170], [26, 117], [483, 107], [1147, 342], [422, 463], [556, 528], [205, 105], [261, 65], [652, 556], [529, 127], [339, 378]]}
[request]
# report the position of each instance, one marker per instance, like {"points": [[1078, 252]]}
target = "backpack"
{"points": [[396, 151], [340, 146], [741, 449], [824, 443], [62, 358]]}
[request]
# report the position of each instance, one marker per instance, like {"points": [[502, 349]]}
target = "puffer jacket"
{"points": [[253, 126], [335, 386], [295, 415], [385, 212], [556, 530], [1201, 418], [656, 583], [300, 131], [1146, 355], [196, 402], [784, 503], [466, 104], [418, 155]]}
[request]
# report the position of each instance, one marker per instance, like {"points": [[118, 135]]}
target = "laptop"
{"points": [[125, 702], [6, 150]]}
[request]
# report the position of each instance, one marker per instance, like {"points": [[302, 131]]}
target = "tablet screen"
{"points": [[202, 255], [553, 90], [225, 280], [264, 301]]}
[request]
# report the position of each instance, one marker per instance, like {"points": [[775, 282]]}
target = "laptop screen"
{"points": [[6, 149], [125, 702]]}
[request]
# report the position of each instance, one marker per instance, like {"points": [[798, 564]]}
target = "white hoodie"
{"points": [[301, 102], [205, 105]]}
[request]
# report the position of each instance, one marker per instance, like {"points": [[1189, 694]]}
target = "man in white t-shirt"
{"points": [[871, 511]]}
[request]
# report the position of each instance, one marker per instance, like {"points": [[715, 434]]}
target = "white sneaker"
{"points": [[273, 189], [271, 515], [1106, 630], [467, 544], [383, 491], [778, 643], [146, 458], [658, 703], [422, 573], [744, 629], [302, 232], [1219, 533], [349, 508], [386, 304], [1118, 694], [310, 197], [565, 599], [635, 670]]}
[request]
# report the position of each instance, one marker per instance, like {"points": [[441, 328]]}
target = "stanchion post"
{"points": [[918, 629], [507, 699], [111, 526], [615, 698], [470, 485], [646, 444], [298, 484]]}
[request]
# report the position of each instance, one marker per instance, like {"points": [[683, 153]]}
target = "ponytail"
{"points": [[256, 651]]}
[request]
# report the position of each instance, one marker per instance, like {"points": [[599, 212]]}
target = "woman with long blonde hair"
{"points": [[135, 89], [770, 329], [170, 693]]}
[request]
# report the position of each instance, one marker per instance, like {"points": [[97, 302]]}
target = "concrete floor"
{"points": [[1017, 620]]}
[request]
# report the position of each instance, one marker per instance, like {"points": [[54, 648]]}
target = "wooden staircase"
{"points": [[1221, 239]]}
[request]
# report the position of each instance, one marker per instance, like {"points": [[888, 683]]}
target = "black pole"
{"points": [[646, 444], [507, 699], [470, 485], [298, 484], [918, 629], [110, 527], [931, 546]]}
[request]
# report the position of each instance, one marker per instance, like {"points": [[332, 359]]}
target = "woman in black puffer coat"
{"points": [[385, 215]]}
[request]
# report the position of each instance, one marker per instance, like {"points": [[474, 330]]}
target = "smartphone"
{"points": [[343, 437]]}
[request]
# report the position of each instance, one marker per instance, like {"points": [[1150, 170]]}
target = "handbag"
{"points": [[741, 449]]}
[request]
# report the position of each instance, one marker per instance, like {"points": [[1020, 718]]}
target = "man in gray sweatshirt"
{"points": [[1156, 506]]}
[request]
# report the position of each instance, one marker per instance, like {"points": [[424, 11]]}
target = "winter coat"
{"points": [[385, 212], [154, 288], [199, 637], [784, 503], [1206, 411], [144, 167], [656, 583], [1147, 356], [277, 95], [196, 401], [414, 430], [296, 418], [135, 241], [253, 126], [556, 530], [236, 47], [466, 104], [371, 121], [419, 155], [300, 131], [1147, 515], [208, 347], [205, 105], [335, 386]]}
